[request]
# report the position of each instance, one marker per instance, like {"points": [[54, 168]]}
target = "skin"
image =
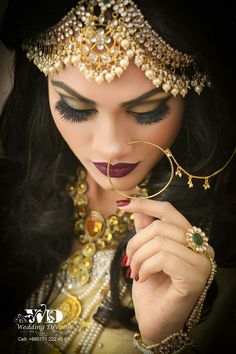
{"points": [[171, 276], [105, 135]]}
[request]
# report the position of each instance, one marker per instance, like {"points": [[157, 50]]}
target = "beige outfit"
{"points": [[215, 328]]}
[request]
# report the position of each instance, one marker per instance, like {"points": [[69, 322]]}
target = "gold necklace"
{"points": [[94, 233], [92, 230]]}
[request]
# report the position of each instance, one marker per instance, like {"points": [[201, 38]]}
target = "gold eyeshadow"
{"points": [[150, 104], [76, 104], [74, 115], [140, 107], [145, 106]]}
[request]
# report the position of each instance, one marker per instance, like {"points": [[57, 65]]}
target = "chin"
{"points": [[122, 185]]}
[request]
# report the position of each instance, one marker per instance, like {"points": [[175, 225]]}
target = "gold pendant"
{"points": [[88, 249], [71, 309], [94, 225], [82, 276]]}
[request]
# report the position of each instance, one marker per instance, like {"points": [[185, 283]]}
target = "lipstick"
{"points": [[118, 170]]}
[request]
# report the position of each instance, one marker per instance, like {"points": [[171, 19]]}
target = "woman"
{"points": [[105, 104]]}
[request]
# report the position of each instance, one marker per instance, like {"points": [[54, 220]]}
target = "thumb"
{"points": [[141, 221]]}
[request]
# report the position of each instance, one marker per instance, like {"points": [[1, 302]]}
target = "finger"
{"points": [[154, 229], [141, 221], [158, 228], [163, 244], [161, 210], [184, 276]]}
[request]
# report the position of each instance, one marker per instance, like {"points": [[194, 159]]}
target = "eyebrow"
{"points": [[141, 98], [132, 102], [72, 92]]}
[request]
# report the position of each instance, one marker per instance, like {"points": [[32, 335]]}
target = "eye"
{"points": [[153, 116], [71, 114]]}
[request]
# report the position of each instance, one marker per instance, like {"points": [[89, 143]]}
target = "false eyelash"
{"points": [[75, 115], [71, 114], [154, 116]]}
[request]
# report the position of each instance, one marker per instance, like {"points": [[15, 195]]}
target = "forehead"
{"points": [[132, 83]]}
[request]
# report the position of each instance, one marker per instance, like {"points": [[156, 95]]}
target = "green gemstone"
{"points": [[197, 239]]}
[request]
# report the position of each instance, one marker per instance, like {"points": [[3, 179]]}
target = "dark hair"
{"points": [[36, 219]]}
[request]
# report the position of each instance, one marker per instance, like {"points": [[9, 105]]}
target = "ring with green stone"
{"points": [[196, 240]]}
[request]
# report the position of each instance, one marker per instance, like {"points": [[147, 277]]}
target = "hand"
{"points": [[169, 276]]}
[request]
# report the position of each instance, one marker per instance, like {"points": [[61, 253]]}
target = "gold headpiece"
{"points": [[102, 36]]}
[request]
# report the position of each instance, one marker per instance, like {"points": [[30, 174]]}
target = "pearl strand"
{"points": [[31, 301], [93, 332], [77, 326], [96, 299], [197, 310], [101, 259], [43, 290]]}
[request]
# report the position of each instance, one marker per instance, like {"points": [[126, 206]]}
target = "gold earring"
{"points": [[179, 171]]}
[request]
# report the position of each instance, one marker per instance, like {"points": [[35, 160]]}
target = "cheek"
{"points": [[71, 133], [75, 135]]}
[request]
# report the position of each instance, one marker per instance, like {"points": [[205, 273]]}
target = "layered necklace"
{"points": [[87, 271], [92, 230]]}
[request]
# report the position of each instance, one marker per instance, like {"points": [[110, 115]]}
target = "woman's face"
{"points": [[98, 121]]}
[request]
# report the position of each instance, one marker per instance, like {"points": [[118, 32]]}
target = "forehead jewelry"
{"points": [[178, 172], [101, 37]]}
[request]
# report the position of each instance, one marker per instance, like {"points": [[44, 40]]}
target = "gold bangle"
{"points": [[170, 345]]}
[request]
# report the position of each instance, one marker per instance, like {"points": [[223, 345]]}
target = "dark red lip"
{"points": [[118, 170]]}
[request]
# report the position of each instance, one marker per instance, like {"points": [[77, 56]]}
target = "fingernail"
{"points": [[137, 277], [123, 202], [128, 273], [124, 261]]}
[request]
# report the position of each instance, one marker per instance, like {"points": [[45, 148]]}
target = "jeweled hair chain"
{"points": [[101, 37]]}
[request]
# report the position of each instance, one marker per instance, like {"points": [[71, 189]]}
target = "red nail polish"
{"points": [[124, 261], [128, 273], [122, 202], [137, 277]]}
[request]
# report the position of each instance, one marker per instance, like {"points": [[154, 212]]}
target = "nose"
{"points": [[110, 140]]}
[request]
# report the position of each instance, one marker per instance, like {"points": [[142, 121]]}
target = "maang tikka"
{"points": [[101, 37]]}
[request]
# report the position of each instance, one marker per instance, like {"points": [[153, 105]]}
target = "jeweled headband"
{"points": [[101, 37]]}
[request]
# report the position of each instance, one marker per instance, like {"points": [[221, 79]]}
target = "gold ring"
{"points": [[197, 240], [168, 155]]}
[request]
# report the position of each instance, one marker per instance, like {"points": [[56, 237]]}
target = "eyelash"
{"points": [[76, 115], [154, 116], [72, 115]]}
